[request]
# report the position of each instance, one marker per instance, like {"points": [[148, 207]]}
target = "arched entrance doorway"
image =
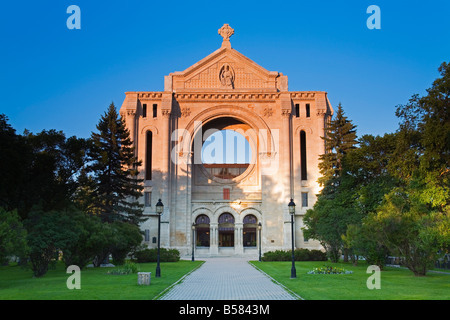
{"points": [[203, 235], [226, 230], [250, 224]]}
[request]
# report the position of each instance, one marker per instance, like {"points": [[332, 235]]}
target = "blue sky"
{"points": [[55, 78], [226, 146]]}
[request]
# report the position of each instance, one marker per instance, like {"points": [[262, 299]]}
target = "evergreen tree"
{"points": [[114, 169], [334, 209], [340, 138]]}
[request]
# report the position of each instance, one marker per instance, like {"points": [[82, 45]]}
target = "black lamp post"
{"points": [[193, 240], [159, 211], [291, 206], [259, 230]]}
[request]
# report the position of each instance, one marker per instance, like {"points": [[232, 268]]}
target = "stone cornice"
{"points": [[228, 95]]}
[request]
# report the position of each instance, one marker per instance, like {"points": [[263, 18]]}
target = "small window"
{"points": [[304, 199], [297, 110], [147, 235], [148, 199], [226, 194], [308, 110], [144, 110], [155, 110]]}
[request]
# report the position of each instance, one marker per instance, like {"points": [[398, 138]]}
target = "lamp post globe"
{"points": [[159, 207], [159, 211]]}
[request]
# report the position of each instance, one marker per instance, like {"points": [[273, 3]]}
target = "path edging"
{"points": [[295, 295], [165, 291]]}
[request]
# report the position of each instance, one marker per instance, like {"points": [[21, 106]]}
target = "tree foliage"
{"points": [[334, 209], [340, 138], [114, 169], [68, 198], [391, 194], [12, 236]]}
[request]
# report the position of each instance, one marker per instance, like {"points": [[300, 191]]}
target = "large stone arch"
{"points": [[248, 117]]}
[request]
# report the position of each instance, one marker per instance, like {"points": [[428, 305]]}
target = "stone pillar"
{"points": [[130, 122], [238, 239], [128, 112], [166, 109], [285, 160], [214, 239]]}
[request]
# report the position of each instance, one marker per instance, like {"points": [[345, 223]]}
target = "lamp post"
{"points": [[159, 211], [259, 230], [291, 206], [193, 240]]}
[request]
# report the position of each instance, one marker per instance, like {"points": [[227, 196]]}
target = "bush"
{"points": [[317, 255], [127, 268], [127, 238], [299, 255], [302, 255], [277, 255], [48, 231], [13, 236], [82, 250], [150, 255]]}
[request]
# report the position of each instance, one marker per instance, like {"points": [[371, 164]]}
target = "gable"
{"points": [[225, 69]]}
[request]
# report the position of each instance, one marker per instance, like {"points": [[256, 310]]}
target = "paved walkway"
{"points": [[227, 279]]}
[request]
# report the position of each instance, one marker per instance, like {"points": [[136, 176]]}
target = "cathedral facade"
{"points": [[216, 203]]}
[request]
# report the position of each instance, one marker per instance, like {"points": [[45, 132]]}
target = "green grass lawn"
{"points": [[396, 283], [17, 283]]}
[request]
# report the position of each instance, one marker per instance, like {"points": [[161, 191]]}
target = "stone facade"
{"points": [[227, 91]]}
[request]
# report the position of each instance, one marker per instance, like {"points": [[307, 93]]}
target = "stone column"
{"points": [[214, 239], [130, 122], [164, 126], [285, 159], [238, 245]]}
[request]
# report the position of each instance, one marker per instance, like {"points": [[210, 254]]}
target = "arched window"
{"points": [[249, 231], [303, 172], [202, 230], [148, 155], [226, 230]]}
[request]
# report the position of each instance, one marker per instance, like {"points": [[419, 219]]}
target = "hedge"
{"points": [[150, 255], [299, 255]]}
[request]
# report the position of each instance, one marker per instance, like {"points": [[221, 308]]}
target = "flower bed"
{"points": [[329, 270]]}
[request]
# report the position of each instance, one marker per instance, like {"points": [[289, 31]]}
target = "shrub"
{"points": [[82, 250], [48, 231], [302, 255], [317, 255], [13, 236], [150, 255], [127, 268], [277, 255], [299, 255], [127, 238]]}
